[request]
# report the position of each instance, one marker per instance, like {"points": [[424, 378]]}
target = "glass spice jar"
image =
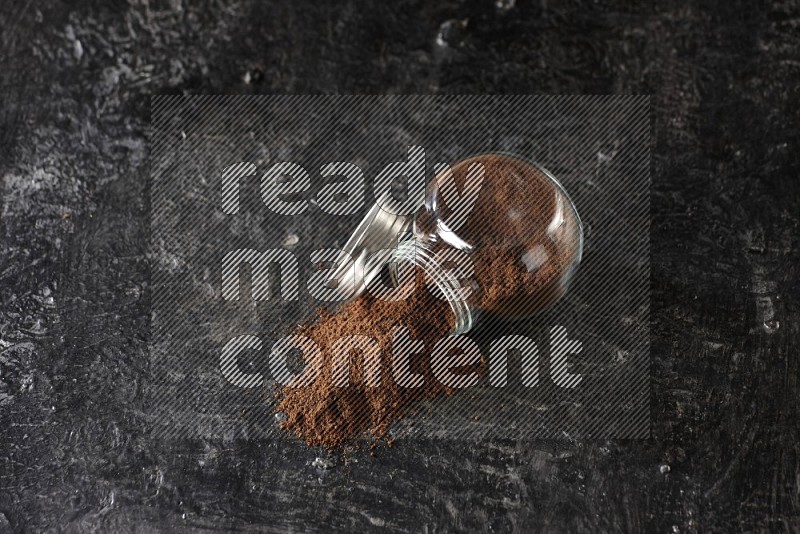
{"points": [[506, 240]]}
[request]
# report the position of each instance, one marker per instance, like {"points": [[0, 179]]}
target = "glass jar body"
{"points": [[497, 235]]}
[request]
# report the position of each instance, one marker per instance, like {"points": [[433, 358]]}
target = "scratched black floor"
{"points": [[74, 108]]}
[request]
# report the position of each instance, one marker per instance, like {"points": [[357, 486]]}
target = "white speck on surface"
{"points": [[763, 288], [291, 240], [77, 49], [322, 463], [451, 32], [766, 314], [376, 521], [604, 158], [505, 5], [664, 469]]}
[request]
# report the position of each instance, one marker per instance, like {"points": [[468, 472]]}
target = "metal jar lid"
{"points": [[371, 245]]}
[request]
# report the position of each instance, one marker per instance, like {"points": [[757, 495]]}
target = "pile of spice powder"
{"points": [[327, 414]]}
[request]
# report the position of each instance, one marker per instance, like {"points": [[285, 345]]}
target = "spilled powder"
{"points": [[518, 269], [328, 415]]}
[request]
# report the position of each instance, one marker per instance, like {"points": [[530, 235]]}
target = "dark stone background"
{"points": [[76, 81]]}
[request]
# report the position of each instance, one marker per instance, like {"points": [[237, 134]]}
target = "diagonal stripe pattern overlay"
{"points": [[252, 196]]}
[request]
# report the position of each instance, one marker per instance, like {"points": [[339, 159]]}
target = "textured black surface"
{"points": [[75, 452]]}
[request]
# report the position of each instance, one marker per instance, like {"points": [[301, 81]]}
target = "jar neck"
{"points": [[419, 251]]}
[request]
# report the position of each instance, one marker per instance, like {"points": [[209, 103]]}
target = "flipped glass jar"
{"points": [[505, 241]]}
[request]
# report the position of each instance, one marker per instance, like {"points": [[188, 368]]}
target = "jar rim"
{"points": [[369, 247]]}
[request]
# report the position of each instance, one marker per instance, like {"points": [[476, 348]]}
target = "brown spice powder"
{"points": [[328, 415], [510, 217], [509, 224]]}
